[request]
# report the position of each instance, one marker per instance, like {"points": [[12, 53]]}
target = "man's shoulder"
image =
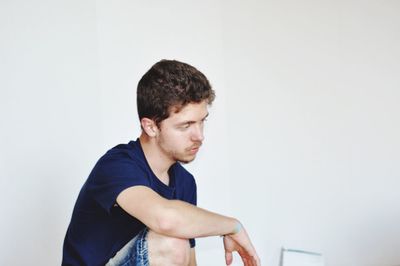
{"points": [[120, 160], [127, 151]]}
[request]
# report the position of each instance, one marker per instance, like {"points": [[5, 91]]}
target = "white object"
{"points": [[295, 257]]}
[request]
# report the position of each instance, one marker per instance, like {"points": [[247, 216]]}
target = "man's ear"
{"points": [[149, 126]]}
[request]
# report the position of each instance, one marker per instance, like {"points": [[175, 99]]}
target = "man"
{"points": [[137, 206]]}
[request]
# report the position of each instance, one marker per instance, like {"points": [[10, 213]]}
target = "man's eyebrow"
{"points": [[191, 121], [204, 118]]}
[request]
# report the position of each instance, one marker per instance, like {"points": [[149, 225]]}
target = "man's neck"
{"points": [[157, 161]]}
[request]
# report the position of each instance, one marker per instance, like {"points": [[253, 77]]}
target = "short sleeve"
{"points": [[186, 189], [113, 173], [193, 200]]}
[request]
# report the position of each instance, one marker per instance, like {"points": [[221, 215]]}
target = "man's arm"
{"points": [[173, 218], [192, 257], [179, 219]]}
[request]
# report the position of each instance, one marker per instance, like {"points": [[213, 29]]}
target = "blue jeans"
{"points": [[134, 253]]}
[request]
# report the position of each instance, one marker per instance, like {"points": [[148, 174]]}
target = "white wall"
{"points": [[49, 122], [313, 104], [304, 128]]}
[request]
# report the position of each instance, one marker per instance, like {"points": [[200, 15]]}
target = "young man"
{"points": [[137, 206]]}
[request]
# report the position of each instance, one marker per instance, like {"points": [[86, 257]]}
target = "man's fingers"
{"points": [[245, 262], [254, 261], [257, 261], [253, 255], [249, 260], [245, 258], [228, 258], [245, 249]]}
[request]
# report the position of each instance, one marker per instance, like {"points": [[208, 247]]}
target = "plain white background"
{"points": [[302, 144]]}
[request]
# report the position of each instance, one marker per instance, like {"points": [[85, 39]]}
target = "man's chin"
{"points": [[186, 160]]}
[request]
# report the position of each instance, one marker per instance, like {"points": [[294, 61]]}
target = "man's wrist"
{"points": [[237, 228]]}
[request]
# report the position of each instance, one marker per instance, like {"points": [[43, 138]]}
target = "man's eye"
{"points": [[185, 126]]}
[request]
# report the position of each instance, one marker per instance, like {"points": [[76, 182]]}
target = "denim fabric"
{"points": [[134, 253]]}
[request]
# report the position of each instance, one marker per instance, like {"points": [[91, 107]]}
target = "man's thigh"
{"points": [[134, 253], [150, 248], [165, 250]]}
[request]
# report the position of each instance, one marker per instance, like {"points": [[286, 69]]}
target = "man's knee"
{"points": [[165, 249]]}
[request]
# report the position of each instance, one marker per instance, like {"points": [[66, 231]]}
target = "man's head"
{"points": [[172, 100], [169, 86]]}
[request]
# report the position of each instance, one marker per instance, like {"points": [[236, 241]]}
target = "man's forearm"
{"points": [[173, 217], [183, 220], [192, 261]]}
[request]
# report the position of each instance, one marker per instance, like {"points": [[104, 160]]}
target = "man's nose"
{"points": [[198, 133]]}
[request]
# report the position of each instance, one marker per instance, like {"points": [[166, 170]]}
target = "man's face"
{"points": [[181, 134]]}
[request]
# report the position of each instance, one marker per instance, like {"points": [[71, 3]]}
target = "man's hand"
{"points": [[241, 243]]}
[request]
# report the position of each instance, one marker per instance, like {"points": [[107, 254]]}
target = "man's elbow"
{"points": [[166, 222]]}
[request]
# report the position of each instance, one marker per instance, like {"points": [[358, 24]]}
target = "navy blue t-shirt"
{"points": [[99, 228]]}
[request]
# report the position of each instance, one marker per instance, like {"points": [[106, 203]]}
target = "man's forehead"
{"points": [[190, 111]]}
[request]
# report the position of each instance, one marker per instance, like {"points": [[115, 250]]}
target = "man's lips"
{"points": [[194, 148]]}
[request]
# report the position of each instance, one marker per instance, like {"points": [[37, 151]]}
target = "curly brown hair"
{"points": [[169, 86]]}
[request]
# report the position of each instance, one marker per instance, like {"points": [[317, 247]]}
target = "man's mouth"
{"points": [[195, 148]]}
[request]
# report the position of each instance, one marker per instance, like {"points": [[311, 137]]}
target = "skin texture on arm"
{"points": [[179, 219], [192, 257], [173, 217]]}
